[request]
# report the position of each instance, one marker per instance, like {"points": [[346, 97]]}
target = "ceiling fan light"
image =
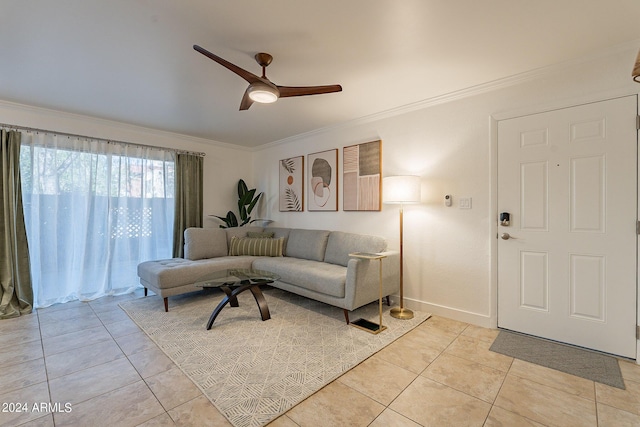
{"points": [[262, 93], [636, 70]]}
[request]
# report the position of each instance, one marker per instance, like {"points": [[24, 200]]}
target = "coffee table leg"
{"points": [[232, 296], [262, 302], [233, 300], [217, 311]]}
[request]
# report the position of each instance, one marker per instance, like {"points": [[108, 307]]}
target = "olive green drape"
{"points": [[16, 293], [188, 211]]}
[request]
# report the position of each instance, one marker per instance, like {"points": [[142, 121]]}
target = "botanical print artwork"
{"points": [[291, 188], [323, 181], [361, 177]]}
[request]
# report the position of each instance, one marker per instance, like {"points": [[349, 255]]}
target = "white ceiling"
{"points": [[132, 61]]}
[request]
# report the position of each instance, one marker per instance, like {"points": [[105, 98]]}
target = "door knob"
{"points": [[505, 236]]}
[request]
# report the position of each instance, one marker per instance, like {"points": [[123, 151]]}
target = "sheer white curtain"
{"points": [[93, 211]]}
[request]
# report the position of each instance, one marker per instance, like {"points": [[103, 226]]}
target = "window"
{"points": [[93, 211]]}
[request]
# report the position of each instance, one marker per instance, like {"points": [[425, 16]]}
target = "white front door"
{"points": [[567, 260]]}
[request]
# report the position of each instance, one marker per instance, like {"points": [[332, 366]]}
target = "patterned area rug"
{"points": [[254, 371]]}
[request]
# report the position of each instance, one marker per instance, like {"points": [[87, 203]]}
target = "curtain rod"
{"points": [[111, 141]]}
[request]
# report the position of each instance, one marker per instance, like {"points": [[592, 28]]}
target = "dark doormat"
{"points": [[561, 357]]}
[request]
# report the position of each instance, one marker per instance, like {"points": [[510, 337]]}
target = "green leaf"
{"points": [[221, 218], [231, 220], [242, 188], [243, 212], [248, 196], [253, 203]]}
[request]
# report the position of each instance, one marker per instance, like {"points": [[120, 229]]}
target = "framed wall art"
{"points": [[323, 181], [362, 177], [291, 184]]}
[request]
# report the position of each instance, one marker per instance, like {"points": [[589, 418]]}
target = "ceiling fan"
{"points": [[261, 89]]}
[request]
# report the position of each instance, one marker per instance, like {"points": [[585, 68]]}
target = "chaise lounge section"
{"points": [[311, 263]]}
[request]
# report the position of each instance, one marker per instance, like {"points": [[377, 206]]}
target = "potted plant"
{"points": [[247, 200]]}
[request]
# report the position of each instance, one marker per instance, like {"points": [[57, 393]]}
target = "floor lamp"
{"points": [[401, 190]]}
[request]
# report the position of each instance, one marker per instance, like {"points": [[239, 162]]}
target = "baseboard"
{"points": [[449, 312]]}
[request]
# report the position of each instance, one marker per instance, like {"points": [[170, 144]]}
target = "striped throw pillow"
{"points": [[256, 246]]}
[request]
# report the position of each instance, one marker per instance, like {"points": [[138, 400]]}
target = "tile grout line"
{"points": [[458, 335], [48, 380], [146, 384], [46, 370], [417, 375]]}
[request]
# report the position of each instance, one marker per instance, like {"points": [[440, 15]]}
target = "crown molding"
{"points": [[120, 126], [505, 82]]}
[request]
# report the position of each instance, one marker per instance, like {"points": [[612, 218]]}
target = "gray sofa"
{"points": [[314, 264]]}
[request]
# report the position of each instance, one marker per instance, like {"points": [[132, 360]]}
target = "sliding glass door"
{"points": [[93, 211]]}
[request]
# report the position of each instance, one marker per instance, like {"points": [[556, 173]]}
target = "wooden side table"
{"points": [[364, 324]]}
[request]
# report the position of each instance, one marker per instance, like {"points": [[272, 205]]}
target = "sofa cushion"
{"points": [[201, 243], [257, 246], [328, 279], [341, 244], [175, 272], [307, 244]]}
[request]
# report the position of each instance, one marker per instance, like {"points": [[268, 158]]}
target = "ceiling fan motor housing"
{"points": [[263, 59]]}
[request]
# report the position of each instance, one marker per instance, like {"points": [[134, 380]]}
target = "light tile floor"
{"points": [[88, 364]]}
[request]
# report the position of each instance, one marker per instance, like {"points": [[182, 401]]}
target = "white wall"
{"points": [[224, 164], [449, 252]]}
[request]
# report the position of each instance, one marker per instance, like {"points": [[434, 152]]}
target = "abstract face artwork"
{"points": [[323, 181]]}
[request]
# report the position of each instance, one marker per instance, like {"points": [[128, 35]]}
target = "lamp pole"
{"points": [[401, 313]]}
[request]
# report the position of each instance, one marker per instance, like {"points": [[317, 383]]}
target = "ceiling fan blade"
{"points": [[286, 91], [247, 75], [246, 101]]}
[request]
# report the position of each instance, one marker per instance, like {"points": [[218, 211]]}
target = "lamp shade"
{"points": [[636, 69], [401, 189]]}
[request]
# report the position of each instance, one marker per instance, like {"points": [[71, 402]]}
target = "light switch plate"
{"points": [[464, 202]]}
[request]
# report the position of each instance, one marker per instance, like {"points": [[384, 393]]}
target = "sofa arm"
{"points": [[363, 279]]}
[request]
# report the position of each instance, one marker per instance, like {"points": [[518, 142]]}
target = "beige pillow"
{"points": [[256, 246]]}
